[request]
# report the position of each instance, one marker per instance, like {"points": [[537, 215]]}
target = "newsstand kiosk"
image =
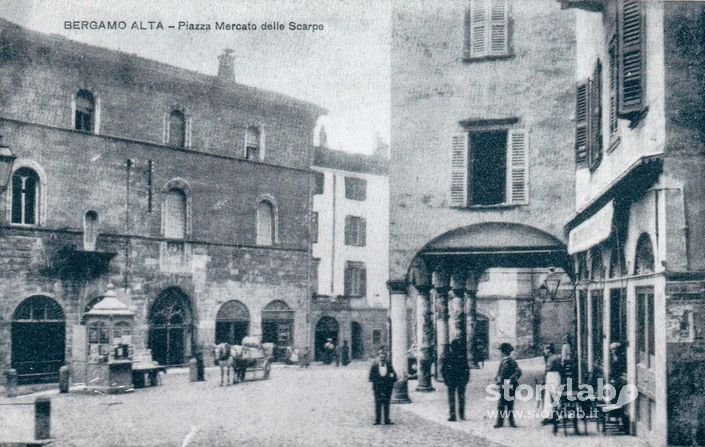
{"points": [[109, 350]]}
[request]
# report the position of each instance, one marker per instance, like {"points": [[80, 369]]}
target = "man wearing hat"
{"points": [[507, 381]]}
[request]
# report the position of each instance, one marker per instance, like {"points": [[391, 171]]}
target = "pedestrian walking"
{"points": [[382, 376], [328, 351], [456, 375], [507, 380], [552, 384], [345, 353]]}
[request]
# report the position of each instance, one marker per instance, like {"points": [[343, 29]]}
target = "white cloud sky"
{"points": [[344, 68]]}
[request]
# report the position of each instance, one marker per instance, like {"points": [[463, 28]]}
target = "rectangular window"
{"points": [[314, 227], [596, 298], [618, 316], [355, 279], [320, 183], [583, 302], [486, 28], [355, 231], [489, 167], [645, 339], [355, 188], [376, 337]]}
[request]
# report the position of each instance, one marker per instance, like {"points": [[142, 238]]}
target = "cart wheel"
{"points": [[267, 368]]}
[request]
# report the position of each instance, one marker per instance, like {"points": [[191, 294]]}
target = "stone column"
{"points": [[456, 311], [424, 338], [440, 294], [471, 303], [398, 315]]}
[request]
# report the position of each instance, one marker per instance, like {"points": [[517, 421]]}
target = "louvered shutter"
{"points": [[631, 57], [595, 119], [459, 171], [498, 27], [347, 281], [363, 232], [613, 75], [348, 230], [518, 164], [581, 127], [362, 289], [479, 24]]}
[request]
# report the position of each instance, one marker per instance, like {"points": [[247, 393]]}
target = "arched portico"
{"points": [[443, 278]]}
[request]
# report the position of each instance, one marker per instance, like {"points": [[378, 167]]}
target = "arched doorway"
{"points": [[38, 340], [327, 327], [232, 323], [278, 327], [357, 348], [171, 328]]}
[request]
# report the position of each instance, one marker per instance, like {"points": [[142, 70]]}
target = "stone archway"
{"points": [[232, 323], [171, 328], [38, 340], [326, 328], [278, 327]]}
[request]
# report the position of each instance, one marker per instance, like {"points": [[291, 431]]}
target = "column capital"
{"points": [[397, 286], [439, 279], [422, 289]]}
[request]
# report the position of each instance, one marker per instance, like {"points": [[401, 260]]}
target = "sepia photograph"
{"points": [[352, 223]]}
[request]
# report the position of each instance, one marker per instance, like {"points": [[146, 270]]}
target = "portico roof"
{"points": [[498, 244]]}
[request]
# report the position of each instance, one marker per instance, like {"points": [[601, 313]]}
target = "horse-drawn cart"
{"points": [[252, 360]]}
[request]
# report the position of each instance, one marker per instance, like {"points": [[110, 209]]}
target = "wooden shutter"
{"points": [[459, 171], [518, 167], [348, 230], [363, 232], [595, 118], [347, 280], [362, 289], [479, 24], [581, 121], [498, 27], [613, 76], [631, 57]]}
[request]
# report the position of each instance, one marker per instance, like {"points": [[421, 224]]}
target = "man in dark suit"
{"points": [[382, 376], [456, 375], [507, 381]]}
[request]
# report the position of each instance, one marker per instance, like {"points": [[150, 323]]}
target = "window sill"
{"points": [[493, 207], [495, 57]]}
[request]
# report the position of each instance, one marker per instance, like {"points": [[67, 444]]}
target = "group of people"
{"points": [[456, 375], [338, 354], [296, 356]]}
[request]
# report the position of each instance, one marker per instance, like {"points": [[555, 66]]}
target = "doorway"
{"points": [[327, 327], [171, 328], [232, 323], [357, 347], [38, 340]]}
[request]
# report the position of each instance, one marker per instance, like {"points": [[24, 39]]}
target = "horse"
{"points": [[224, 359]]}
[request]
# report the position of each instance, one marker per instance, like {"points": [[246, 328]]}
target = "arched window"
{"points": [[90, 230], [174, 214], [25, 197], [177, 129], [644, 259], [85, 111], [253, 143], [266, 223]]}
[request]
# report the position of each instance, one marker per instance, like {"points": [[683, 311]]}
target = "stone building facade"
{"points": [[351, 250], [480, 179], [636, 235], [189, 192]]}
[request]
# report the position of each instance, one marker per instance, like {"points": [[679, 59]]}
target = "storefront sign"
{"points": [[593, 231]]}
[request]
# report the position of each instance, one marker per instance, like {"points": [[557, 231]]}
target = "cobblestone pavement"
{"points": [[320, 406]]}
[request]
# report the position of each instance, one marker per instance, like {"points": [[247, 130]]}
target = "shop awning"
{"points": [[595, 229]]}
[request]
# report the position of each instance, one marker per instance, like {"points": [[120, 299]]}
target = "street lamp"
{"points": [[7, 159]]}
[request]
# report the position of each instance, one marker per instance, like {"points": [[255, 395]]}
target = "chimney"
{"points": [[226, 66]]}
